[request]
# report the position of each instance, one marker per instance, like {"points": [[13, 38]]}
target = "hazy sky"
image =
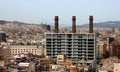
{"points": [[37, 11]]}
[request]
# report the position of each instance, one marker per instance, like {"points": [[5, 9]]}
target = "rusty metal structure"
{"points": [[56, 29], [73, 24], [90, 24]]}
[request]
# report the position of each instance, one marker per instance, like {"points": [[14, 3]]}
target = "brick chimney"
{"points": [[90, 24], [56, 29], [73, 24]]}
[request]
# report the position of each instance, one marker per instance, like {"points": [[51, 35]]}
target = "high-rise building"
{"points": [[48, 27], [4, 52], [80, 47], [2, 36]]}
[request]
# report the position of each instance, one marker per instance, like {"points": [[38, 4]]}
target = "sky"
{"points": [[37, 11]]}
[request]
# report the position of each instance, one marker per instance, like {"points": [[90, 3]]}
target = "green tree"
{"points": [[118, 55], [106, 55], [92, 70]]}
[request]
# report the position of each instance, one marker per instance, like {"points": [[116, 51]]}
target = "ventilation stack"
{"points": [[56, 29], [73, 24], [91, 24]]}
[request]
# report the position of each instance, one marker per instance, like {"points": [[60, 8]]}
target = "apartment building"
{"points": [[18, 49], [4, 52], [78, 47], [2, 36]]}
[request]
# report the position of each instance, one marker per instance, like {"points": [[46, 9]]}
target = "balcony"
{"points": [[48, 49], [75, 43], [83, 53], [68, 52], [83, 50], [48, 52], [75, 52], [75, 56], [75, 49], [83, 56]]}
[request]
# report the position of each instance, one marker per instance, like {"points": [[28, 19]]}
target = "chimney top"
{"points": [[74, 18], [56, 18], [91, 18], [74, 24], [90, 24], [56, 29]]}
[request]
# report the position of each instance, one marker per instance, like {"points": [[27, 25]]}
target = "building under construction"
{"points": [[76, 46]]}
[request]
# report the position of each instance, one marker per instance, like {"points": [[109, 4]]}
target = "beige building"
{"points": [[100, 47], [116, 67], [60, 58], [111, 64], [4, 52], [18, 49]]}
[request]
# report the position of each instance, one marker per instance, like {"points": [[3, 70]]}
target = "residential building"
{"points": [[23, 67], [4, 52], [18, 49], [115, 47], [110, 64], [116, 67], [44, 63], [101, 47], [2, 36], [61, 58]]}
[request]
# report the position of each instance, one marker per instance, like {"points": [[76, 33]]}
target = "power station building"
{"points": [[81, 48]]}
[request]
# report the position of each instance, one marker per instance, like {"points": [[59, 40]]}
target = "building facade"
{"points": [[2, 36], [78, 47], [116, 67], [4, 52], [18, 49]]}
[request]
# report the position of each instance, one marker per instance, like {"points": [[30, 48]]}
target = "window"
{"points": [[60, 58]]}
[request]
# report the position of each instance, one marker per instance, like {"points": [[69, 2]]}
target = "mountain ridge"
{"points": [[107, 24]]}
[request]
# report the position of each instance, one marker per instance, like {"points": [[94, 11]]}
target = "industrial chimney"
{"points": [[90, 24], [73, 24], [56, 29]]}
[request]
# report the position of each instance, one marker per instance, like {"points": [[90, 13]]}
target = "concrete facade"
{"points": [[78, 47]]}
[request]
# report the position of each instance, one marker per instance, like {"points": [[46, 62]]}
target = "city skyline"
{"points": [[49, 36], [44, 11]]}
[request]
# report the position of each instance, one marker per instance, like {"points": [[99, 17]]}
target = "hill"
{"points": [[108, 24]]}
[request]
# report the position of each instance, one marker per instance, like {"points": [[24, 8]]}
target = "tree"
{"points": [[28, 43], [118, 55], [106, 55], [92, 70]]}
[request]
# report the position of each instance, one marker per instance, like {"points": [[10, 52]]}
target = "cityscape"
{"points": [[59, 36], [46, 48]]}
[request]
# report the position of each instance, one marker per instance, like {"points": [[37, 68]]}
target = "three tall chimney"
{"points": [[90, 24], [73, 24], [56, 29]]}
